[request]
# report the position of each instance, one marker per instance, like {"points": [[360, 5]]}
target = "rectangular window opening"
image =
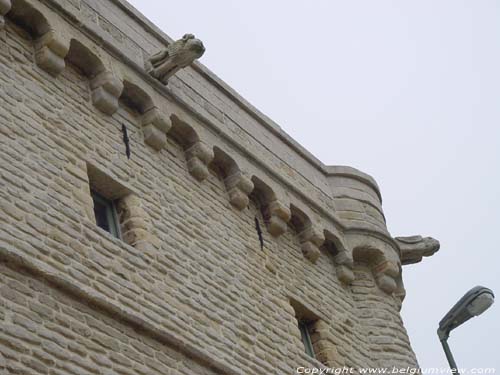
{"points": [[106, 216], [312, 337]]}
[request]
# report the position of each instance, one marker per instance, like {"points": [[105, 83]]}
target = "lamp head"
{"points": [[473, 303]]}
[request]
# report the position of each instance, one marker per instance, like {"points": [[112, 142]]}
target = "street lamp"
{"points": [[473, 303]]}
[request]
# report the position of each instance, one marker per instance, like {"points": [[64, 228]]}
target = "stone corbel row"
{"points": [[55, 47], [105, 85], [50, 54]]}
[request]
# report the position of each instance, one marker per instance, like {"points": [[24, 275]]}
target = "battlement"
{"points": [[94, 57]]}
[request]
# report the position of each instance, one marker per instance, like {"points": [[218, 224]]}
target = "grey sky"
{"points": [[407, 91]]}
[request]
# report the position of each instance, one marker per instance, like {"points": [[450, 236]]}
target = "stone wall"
{"points": [[189, 289]]}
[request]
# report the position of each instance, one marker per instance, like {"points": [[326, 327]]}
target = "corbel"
{"points": [[385, 275], [311, 239], [155, 127], [239, 187], [198, 157], [343, 267], [106, 90], [277, 216], [50, 52]]}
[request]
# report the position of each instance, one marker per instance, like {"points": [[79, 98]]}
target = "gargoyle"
{"points": [[178, 55], [413, 248]]}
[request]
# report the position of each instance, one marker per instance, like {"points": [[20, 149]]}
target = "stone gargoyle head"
{"points": [[176, 56], [413, 248]]}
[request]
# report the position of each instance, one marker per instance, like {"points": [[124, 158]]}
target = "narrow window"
{"points": [[305, 332], [105, 214], [315, 334]]}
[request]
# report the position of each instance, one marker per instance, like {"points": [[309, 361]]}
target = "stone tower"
{"points": [[153, 222]]}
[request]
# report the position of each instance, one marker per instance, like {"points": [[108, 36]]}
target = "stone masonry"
{"points": [[231, 232]]}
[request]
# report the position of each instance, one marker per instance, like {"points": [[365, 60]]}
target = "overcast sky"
{"points": [[406, 91]]}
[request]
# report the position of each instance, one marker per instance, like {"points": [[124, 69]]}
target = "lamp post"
{"points": [[473, 303]]}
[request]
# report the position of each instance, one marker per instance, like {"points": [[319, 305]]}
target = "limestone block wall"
{"points": [[190, 288]]}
